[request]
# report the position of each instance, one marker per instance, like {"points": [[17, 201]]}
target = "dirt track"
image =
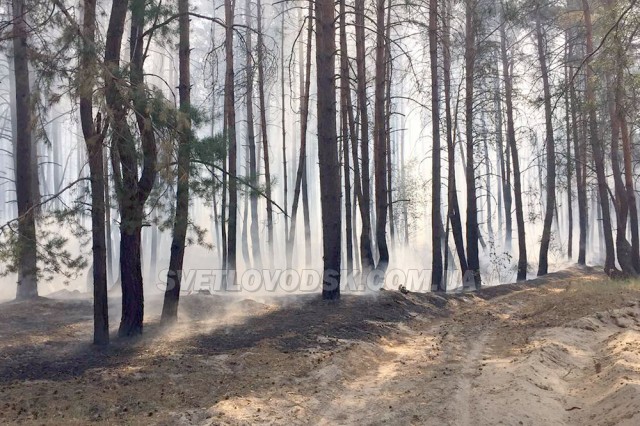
{"points": [[559, 351]]}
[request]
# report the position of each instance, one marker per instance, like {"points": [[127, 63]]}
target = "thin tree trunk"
{"points": [[285, 184], [511, 141], [568, 151], [550, 187], [380, 146], [579, 155], [263, 128], [366, 248], [251, 141], [300, 184], [453, 208], [436, 183], [389, 67], [344, 107], [230, 114], [597, 148]]}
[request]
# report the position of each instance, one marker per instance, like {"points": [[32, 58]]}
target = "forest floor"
{"points": [[560, 350]]}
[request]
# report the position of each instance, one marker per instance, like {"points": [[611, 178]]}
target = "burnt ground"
{"points": [[384, 358]]}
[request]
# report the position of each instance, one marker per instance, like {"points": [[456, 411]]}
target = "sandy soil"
{"points": [[563, 350]]}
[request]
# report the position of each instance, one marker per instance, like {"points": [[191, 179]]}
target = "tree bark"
{"points": [[93, 139], [251, 141], [300, 184], [380, 145], [568, 151], [473, 260], [366, 249], [263, 129], [344, 114], [453, 208], [436, 184], [328, 148], [511, 141], [597, 148], [27, 243], [579, 156], [550, 186], [230, 114], [181, 220], [623, 247]]}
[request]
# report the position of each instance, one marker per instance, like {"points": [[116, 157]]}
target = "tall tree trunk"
{"points": [[27, 244], [344, 107], [230, 114], [181, 220], [389, 67], [453, 208], [366, 249], [623, 247], [328, 148], [380, 145], [550, 187], [473, 260], [107, 217], [568, 151], [300, 184], [263, 129], [285, 183], [596, 145], [627, 193], [93, 139], [511, 141], [133, 191], [579, 156], [251, 141], [628, 174], [504, 161], [437, 233]]}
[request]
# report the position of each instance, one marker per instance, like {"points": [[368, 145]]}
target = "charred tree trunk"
{"points": [[328, 148], [181, 220], [251, 142], [133, 191], [437, 232], [366, 249], [93, 137], [344, 107], [230, 114], [380, 145], [473, 261]]}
